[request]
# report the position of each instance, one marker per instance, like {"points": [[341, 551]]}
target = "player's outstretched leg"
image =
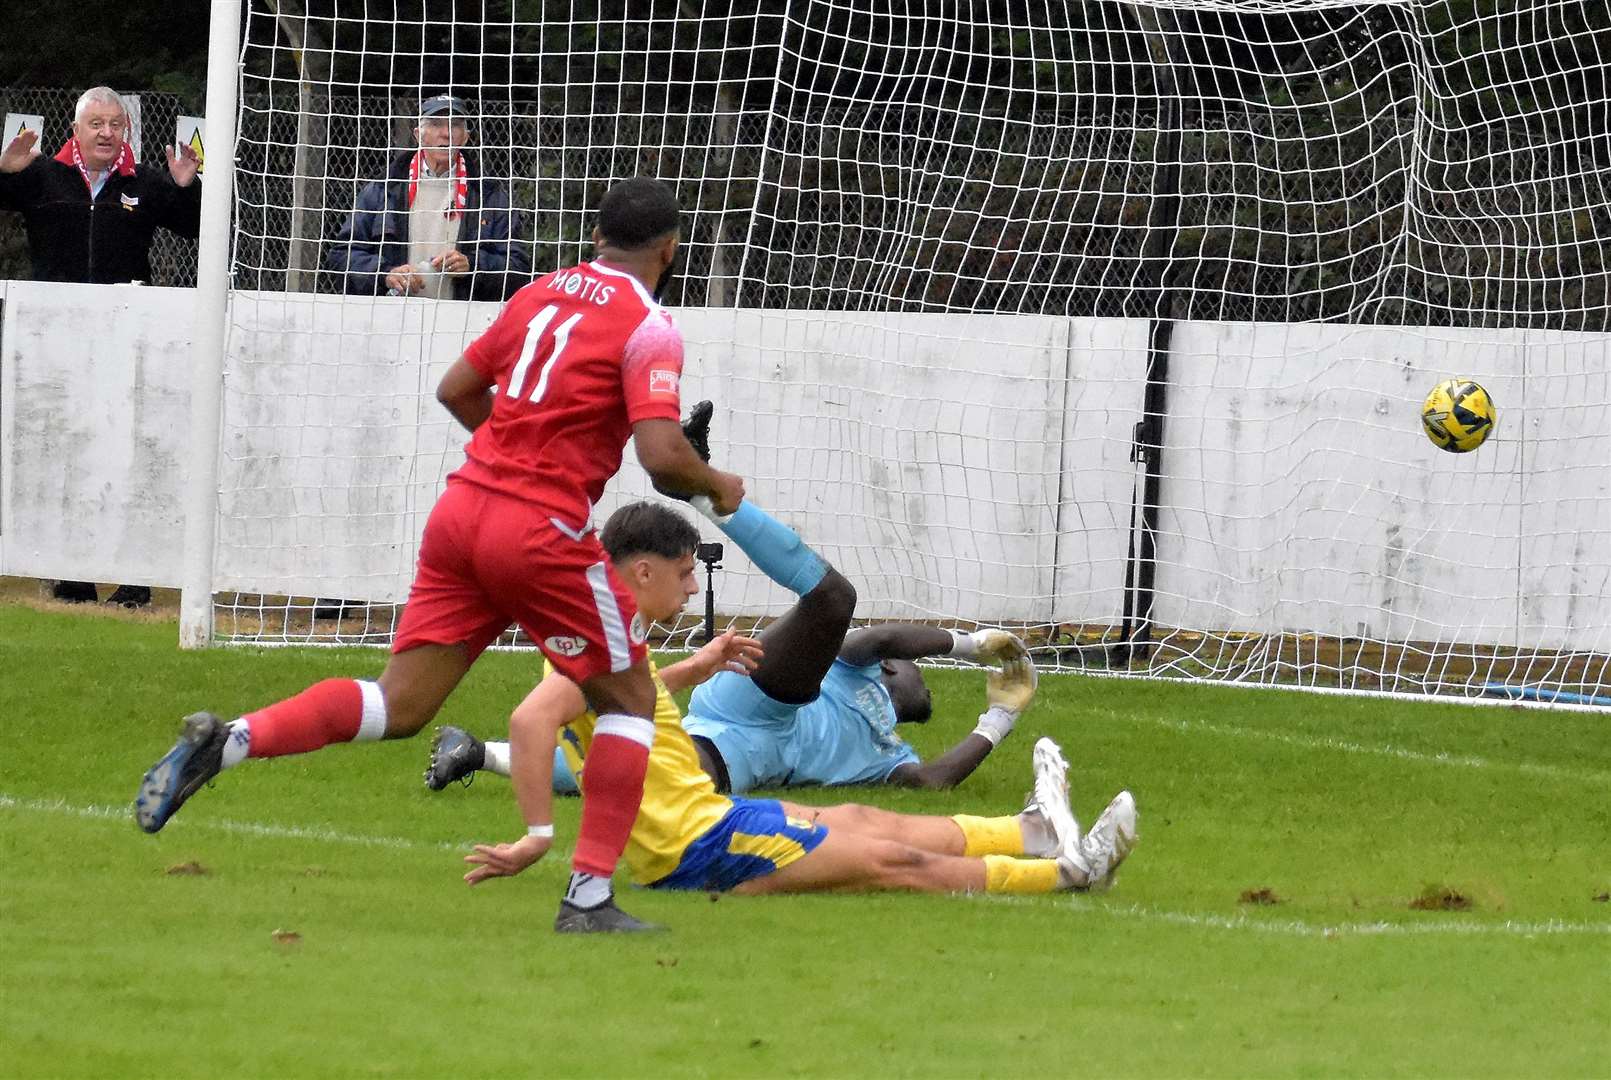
{"points": [[458, 755], [1027, 833], [335, 710], [801, 646], [455, 755], [772, 546], [403, 700], [846, 860], [194, 760]]}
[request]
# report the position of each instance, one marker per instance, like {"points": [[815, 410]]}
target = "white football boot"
{"points": [[1106, 846], [1049, 798]]}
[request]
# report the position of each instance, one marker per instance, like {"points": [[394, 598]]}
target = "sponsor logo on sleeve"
{"points": [[566, 646], [664, 382]]}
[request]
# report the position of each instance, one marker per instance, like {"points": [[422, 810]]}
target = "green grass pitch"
{"points": [[323, 930]]}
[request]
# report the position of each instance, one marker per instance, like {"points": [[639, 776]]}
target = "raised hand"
{"points": [[727, 651], [1013, 686], [20, 152], [183, 161], [998, 646]]}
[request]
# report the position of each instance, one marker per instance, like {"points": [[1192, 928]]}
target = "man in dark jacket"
{"points": [[90, 212], [433, 227]]}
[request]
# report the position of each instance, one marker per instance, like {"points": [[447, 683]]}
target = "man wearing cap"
{"points": [[434, 227]]}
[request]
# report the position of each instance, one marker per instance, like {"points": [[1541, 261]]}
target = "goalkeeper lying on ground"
{"points": [[687, 836], [839, 738], [822, 706]]}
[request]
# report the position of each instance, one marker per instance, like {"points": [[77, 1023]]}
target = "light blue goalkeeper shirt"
{"points": [[846, 736]]}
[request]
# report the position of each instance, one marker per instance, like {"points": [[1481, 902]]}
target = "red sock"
{"points": [[612, 788], [326, 712]]}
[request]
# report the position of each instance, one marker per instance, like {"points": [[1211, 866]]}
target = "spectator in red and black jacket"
{"points": [[434, 226], [91, 210]]}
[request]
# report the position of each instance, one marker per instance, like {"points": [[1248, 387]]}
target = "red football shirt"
{"points": [[578, 356]]}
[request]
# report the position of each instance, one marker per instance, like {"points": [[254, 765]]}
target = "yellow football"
{"points": [[1458, 415]]}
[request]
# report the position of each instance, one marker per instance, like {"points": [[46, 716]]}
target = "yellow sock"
{"points": [[1008, 875], [990, 835]]}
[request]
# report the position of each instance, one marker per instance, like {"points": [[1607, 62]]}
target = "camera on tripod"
{"points": [[711, 556]]}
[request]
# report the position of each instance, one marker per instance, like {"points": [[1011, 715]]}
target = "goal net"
{"points": [[1108, 322]]}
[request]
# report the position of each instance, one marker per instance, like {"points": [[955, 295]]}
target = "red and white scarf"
{"points": [[461, 185], [70, 154]]}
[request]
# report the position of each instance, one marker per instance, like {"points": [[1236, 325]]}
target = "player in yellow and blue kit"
{"points": [[687, 836]]}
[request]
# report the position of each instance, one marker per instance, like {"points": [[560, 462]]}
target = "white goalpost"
{"points": [[207, 356], [1108, 322]]}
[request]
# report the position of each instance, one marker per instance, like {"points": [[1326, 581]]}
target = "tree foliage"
{"points": [[131, 46]]}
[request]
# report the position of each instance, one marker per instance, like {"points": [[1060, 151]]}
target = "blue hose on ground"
{"points": [[1543, 693]]}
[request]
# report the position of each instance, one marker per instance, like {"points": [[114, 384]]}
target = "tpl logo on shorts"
{"points": [[664, 382], [639, 629], [566, 646]]}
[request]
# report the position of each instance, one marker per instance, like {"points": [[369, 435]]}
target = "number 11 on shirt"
{"points": [[528, 351]]}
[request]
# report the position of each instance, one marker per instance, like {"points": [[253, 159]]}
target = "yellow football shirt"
{"points": [[679, 801]]}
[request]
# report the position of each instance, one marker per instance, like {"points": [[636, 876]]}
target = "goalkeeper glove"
{"points": [[996, 646], [1009, 692]]}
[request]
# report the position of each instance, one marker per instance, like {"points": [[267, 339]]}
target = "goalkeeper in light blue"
{"points": [[822, 707]]}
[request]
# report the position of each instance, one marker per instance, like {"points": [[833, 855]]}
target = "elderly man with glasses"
{"points": [[434, 226]]}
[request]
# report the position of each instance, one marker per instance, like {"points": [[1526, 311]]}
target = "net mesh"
{"points": [[1109, 322]]}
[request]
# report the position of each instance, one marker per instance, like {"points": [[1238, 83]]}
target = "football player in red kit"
{"points": [[577, 363]]}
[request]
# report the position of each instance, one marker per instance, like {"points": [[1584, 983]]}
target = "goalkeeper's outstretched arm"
{"points": [[1008, 692], [902, 641]]}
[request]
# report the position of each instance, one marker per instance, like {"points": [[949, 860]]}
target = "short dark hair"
{"points": [[646, 528], [637, 212]]}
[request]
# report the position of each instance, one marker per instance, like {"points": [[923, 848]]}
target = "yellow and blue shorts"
{"points": [[751, 840]]}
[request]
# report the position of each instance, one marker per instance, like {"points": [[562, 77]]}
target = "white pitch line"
{"points": [[1298, 928], [1284, 927], [243, 828], [1306, 742]]}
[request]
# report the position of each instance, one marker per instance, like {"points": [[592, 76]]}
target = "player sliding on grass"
{"points": [[688, 836], [577, 363]]}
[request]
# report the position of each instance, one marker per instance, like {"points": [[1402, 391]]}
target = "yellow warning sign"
{"points": [[17, 123], [192, 132]]}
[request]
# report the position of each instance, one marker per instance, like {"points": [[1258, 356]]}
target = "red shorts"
{"points": [[488, 560]]}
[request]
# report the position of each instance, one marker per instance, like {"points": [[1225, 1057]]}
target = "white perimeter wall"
{"points": [[956, 465], [94, 408]]}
